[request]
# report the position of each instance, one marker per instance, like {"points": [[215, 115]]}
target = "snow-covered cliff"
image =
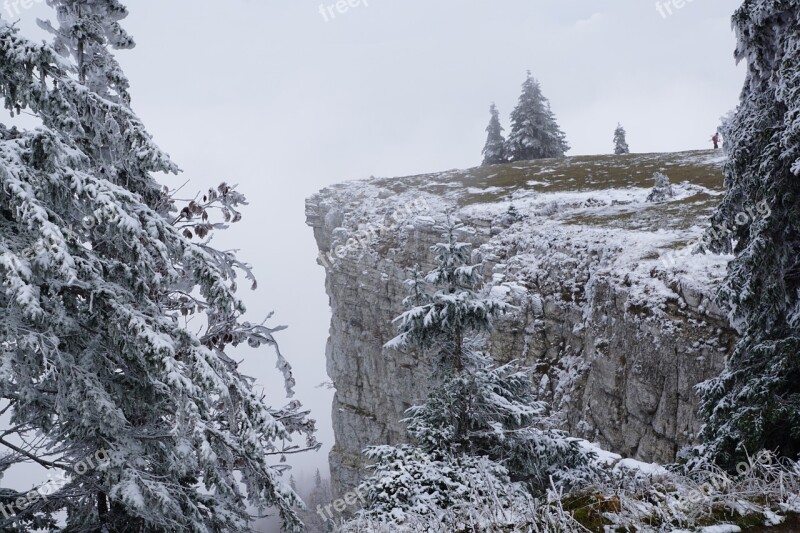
{"points": [[612, 313]]}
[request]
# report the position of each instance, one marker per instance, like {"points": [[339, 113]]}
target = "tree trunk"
{"points": [[102, 508]]}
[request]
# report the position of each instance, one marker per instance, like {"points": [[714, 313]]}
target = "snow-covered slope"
{"points": [[614, 315]]}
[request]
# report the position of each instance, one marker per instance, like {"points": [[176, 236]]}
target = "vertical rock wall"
{"points": [[617, 350]]}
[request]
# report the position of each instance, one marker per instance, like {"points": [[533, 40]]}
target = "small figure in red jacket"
{"points": [[715, 140]]}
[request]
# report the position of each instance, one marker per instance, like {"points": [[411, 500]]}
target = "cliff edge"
{"points": [[614, 313]]}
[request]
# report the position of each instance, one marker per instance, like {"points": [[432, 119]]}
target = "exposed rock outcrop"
{"points": [[612, 313]]}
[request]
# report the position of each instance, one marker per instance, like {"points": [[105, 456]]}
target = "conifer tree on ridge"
{"points": [[620, 142], [494, 152], [535, 134]]}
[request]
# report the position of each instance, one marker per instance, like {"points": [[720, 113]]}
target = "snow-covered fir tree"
{"points": [[411, 482], [87, 31], [620, 141], [480, 430], [446, 316], [755, 403], [535, 134], [315, 517], [495, 150], [490, 411], [662, 190], [97, 351]]}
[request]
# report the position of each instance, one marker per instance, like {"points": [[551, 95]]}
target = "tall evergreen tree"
{"points": [[446, 316], [315, 517], [495, 150], [535, 134], [755, 403], [480, 426], [99, 282], [620, 142], [87, 31]]}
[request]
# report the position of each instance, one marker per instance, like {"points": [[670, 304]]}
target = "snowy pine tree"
{"points": [[495, 150], [490, 411], [662, 190], [535, 134], [99, 284], [314, 516], [480, 427], [454, 310], [410, 481], [755, 403], [86, 31], [620, 141]]}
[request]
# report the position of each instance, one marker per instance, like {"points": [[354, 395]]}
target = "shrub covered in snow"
{"points": [[409, 480], [697, 497], [662, 191]]}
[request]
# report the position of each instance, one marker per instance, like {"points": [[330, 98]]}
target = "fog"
{"points": [[288, 96]]}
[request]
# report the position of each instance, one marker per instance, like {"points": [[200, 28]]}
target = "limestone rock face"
{"points": [[613, 311]]}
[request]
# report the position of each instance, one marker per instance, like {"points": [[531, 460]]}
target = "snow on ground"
{"points": [[617, 463], [583, 208], [725, 528], [590, 202]]}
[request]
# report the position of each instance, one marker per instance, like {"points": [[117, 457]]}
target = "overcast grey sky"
{"points": [[269, 95]]}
